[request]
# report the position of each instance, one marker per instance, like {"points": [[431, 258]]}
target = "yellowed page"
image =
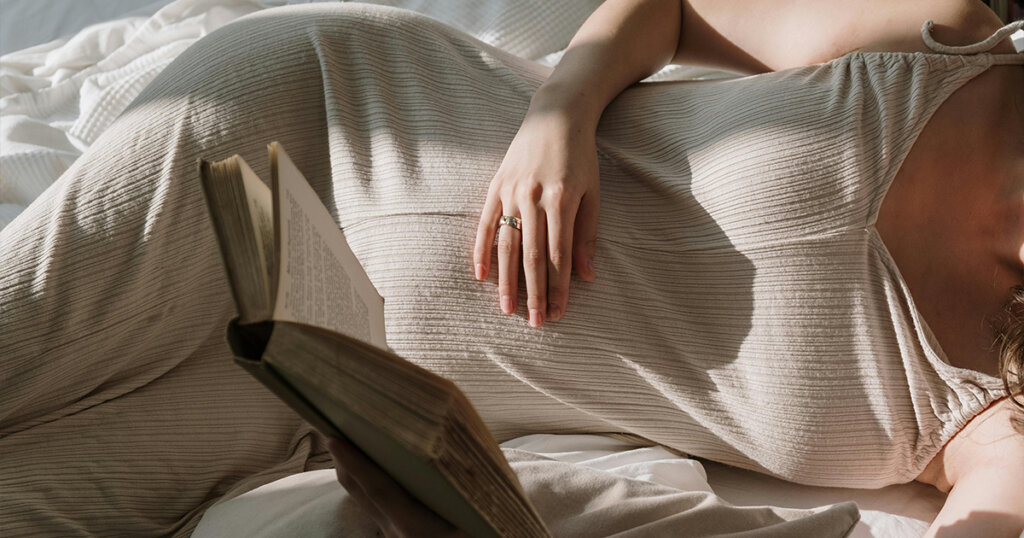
{"points": [[261, 212], [319, 280]]}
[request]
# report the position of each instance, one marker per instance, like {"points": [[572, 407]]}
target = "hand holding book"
{"points": [[395, 512]]}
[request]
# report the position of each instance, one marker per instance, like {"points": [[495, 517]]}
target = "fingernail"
{"points": [[554, 313], [536, 317], [590, 265], [479, 271], [506, 304]]}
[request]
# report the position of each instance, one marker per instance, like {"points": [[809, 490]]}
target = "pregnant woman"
{"points": [[804, 272]]}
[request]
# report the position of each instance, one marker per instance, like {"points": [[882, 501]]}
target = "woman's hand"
{"points": [[549, 177], [549, 181], [397, 513]]}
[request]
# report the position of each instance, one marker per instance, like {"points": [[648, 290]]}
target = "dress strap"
{"points": [[981, 46]]}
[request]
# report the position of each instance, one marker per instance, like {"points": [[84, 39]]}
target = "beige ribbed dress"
{"points": [[745, 308]]}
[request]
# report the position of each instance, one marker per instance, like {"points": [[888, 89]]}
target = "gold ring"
{"points": [[509, 220]]}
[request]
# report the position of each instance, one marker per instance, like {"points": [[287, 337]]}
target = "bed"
{"points": [[87, 63]]}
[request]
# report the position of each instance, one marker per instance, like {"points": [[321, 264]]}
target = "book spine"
{"points": [[270, 379], [247, 343]]}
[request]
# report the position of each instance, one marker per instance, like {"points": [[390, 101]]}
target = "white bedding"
{"points": [[57, 98], [313, 504], [309, 501]]}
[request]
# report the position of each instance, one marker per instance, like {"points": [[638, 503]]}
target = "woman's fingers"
{"points": [[485, 234], [394, 510], [345, 457], [509, 241], [535, 262], [350, 483], [559, 238], [585, 236], [556, 235]]}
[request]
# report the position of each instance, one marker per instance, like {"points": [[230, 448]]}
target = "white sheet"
{"points": [[612, 481], [58, 97], [313, 504], [903, 510]]}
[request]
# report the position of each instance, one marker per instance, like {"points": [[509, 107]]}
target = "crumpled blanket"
{"points": [[57, 98]]}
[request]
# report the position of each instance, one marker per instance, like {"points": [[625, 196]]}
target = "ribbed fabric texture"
{"points": [[745, 309]]}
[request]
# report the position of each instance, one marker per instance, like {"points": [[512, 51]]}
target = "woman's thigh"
{"points": [[118, 395]]}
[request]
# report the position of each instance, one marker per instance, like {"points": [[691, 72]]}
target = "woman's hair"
{"points": [[1011, 354]]}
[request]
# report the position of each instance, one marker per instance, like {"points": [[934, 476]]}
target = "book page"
{"points": [[319, 280], [261, 211], [241, 211]]}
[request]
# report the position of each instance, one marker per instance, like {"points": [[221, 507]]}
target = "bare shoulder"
{"points": [[763, 35]]}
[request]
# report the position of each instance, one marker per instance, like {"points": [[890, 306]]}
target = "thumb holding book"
{"points": [[397, 513]]}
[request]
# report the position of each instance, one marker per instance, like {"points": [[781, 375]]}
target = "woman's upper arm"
{"points": [[769, 35]]}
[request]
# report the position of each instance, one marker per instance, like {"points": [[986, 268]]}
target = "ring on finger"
{"points": [[509, 220]]}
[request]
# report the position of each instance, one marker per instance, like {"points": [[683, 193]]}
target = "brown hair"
{"points": [[1011, 354]]}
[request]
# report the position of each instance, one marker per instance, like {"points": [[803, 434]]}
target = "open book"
{"points": [[311, 328]]}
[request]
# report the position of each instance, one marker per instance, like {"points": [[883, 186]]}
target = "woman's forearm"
{"points": [[625, 41], [987, 502], [984, 466], [622, 42]]}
